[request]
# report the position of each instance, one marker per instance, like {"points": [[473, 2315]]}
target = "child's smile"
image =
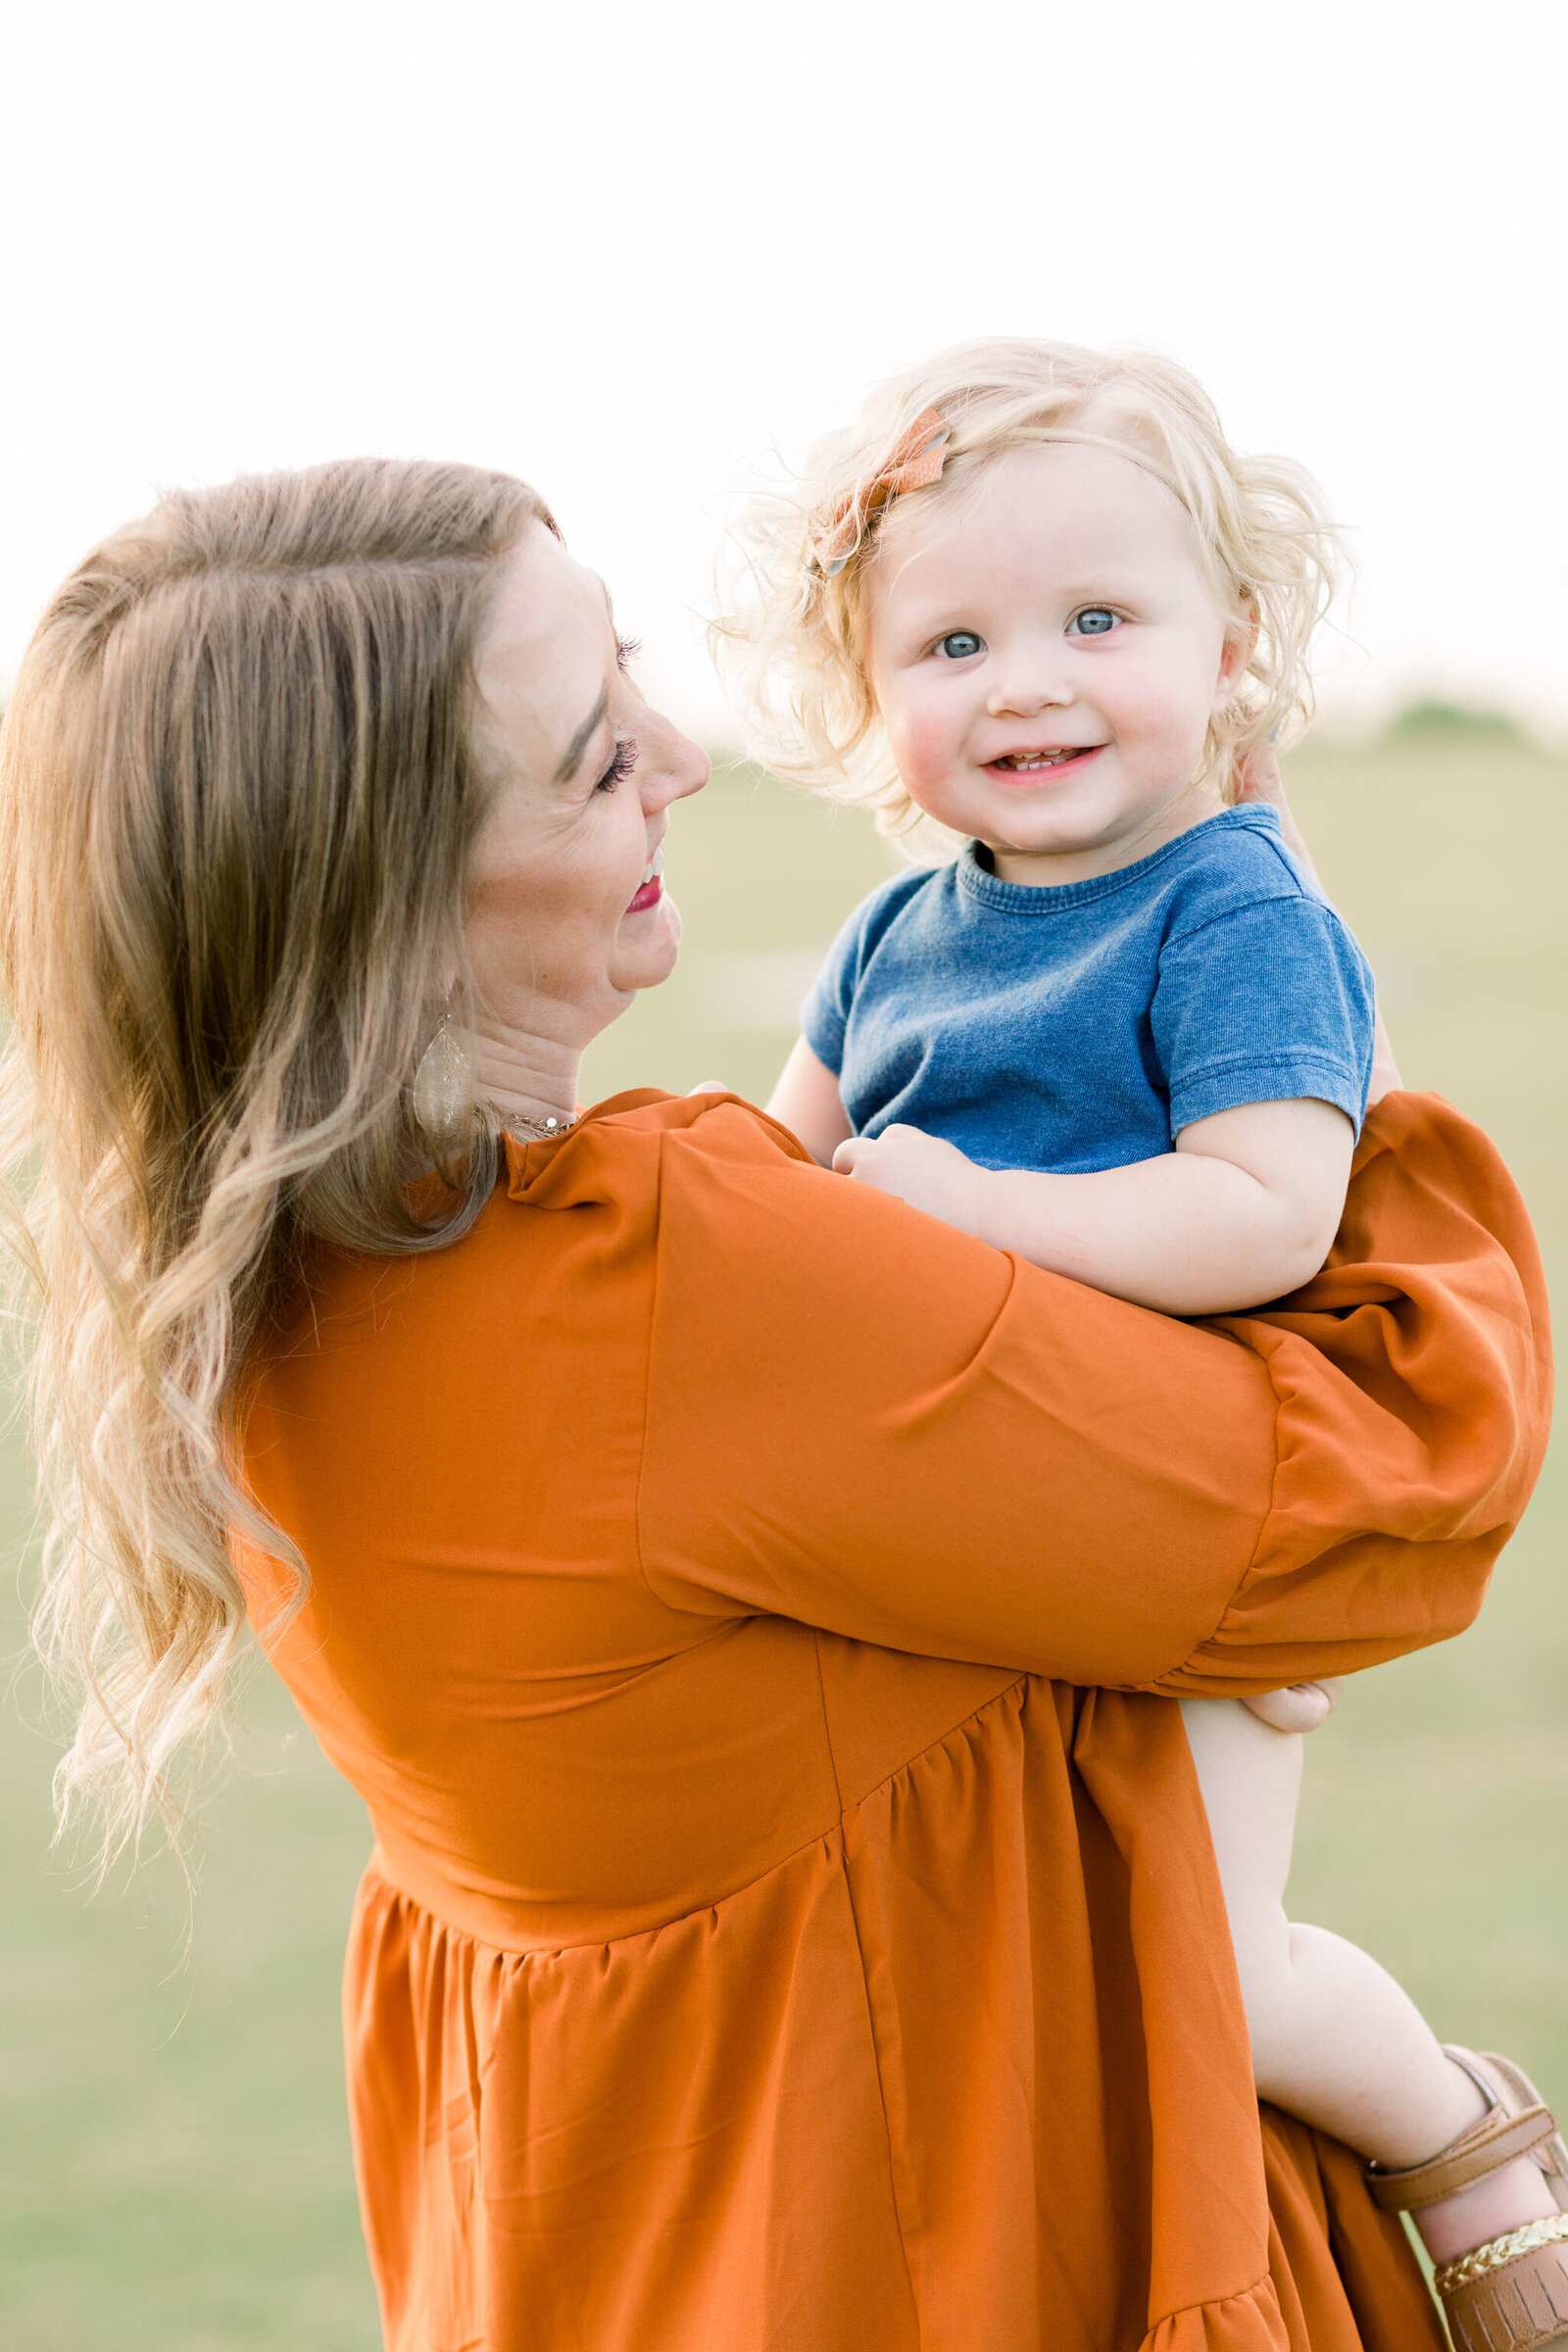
{"points": [[1046, 654], [1035, 764]]}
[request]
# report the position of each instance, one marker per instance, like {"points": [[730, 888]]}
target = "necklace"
{"points": [[540, 1130]]}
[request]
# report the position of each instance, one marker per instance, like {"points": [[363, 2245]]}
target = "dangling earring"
{"points": [[443, 1087]]}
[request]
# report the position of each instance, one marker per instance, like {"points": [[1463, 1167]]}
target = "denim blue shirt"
{"points": [[1084, 1025]]}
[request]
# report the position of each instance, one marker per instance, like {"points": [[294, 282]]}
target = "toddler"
{"points": [[1034, 605]]}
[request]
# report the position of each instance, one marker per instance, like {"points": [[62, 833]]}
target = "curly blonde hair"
{"points": [[238, 804], [791, 638]]}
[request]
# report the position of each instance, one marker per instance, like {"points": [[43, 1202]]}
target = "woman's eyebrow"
{"points": [[583, 737]]}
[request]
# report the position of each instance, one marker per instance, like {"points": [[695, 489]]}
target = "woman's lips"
{"points": [[651, 889]]}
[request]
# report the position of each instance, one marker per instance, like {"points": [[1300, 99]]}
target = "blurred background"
{"points": [[633, 254]]}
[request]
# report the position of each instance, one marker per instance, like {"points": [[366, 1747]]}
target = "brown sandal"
{"points": [[1511, 2294]]}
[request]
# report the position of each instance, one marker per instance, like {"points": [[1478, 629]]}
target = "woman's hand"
{"points": [[1259, 784], [918, 1168], [1300, 1708]]}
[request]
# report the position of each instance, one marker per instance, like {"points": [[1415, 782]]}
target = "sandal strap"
{"points": [[1500, 2253], [1495, 2141], [1510, 2295]]}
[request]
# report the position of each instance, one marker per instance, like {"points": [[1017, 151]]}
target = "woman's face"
{"points": [[571, 916]]}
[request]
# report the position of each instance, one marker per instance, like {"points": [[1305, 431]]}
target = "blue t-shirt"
{"points": [[1084, 1025]]}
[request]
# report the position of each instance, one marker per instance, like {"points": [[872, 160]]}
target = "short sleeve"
{"points": [[1269, 1003], [826, 1014]]}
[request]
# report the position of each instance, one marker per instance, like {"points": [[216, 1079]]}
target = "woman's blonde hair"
{"points": [[792, 637], [239, 801]]}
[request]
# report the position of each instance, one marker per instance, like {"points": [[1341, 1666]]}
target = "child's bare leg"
{"points": [[1335, 2040]]}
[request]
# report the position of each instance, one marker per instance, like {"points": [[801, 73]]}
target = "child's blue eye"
{"points": [[959, 644], [1093, 621]]}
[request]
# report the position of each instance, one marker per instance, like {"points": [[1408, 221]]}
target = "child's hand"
{"points": [[918, 1168], [1300, 1708]]}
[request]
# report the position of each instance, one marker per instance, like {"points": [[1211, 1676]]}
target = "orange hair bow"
{"points": [[915, 464]]}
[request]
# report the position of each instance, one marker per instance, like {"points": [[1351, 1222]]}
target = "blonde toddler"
{"points": [[1034, 606]]}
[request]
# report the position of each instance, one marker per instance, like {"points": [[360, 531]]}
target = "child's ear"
{"points": [[1241, 637]]}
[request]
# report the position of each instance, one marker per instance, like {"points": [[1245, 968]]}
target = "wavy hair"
{"points": [[238, 802], [789, 638]]}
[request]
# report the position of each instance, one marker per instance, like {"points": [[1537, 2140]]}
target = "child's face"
{"points": [[1047, 654]]}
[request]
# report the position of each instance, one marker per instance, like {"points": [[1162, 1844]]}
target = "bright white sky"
{"points": [[623, 250]]}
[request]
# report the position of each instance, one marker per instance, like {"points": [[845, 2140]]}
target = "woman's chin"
{"points": [[647, 945]]}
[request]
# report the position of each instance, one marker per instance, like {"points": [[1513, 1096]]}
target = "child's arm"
{"points": [[1243, 1210], [807, 1101]]}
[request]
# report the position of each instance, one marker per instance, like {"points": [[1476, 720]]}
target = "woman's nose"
{"points": [[678, 768]]}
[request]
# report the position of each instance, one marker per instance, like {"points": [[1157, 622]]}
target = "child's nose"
{"points": [[1026, 688]]}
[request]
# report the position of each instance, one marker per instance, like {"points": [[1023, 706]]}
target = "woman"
{"points": [[703, 1567]]}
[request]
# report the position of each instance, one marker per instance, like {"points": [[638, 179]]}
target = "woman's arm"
{"points": [[865, 1421]]}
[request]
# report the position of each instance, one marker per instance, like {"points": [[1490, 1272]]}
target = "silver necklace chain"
{"points": [[540, 1130]]}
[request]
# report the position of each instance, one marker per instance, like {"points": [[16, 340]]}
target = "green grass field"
{"points": [[173, 2162]]}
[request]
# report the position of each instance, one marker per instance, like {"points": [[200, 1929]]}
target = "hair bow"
{"points": [[915, 464]]}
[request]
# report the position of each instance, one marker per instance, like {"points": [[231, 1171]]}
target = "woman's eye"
{"points": [[621, 765], [1093, 621], [627, 650], [959, 644]]}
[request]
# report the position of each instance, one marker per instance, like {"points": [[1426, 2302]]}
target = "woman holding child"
{"points": [[749, 1606]]}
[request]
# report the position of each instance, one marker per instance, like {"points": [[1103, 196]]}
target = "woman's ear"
{"points": [[1241, 637]]}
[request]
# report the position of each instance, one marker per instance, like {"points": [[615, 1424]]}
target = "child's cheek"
{"points": [[925, 747], [1161, 724]]}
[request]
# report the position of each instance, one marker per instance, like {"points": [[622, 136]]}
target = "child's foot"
{"points": [[1508, 2199], [1493, 2209]]}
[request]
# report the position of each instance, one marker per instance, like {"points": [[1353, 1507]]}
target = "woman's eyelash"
{"points": [[620, 766], [627, 650]]}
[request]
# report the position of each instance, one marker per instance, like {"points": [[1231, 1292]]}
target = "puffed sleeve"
{"points": [[865, 1421], [1414, 1384]]}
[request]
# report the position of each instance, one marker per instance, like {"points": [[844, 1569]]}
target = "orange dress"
{"points": [[746, 1609]]}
